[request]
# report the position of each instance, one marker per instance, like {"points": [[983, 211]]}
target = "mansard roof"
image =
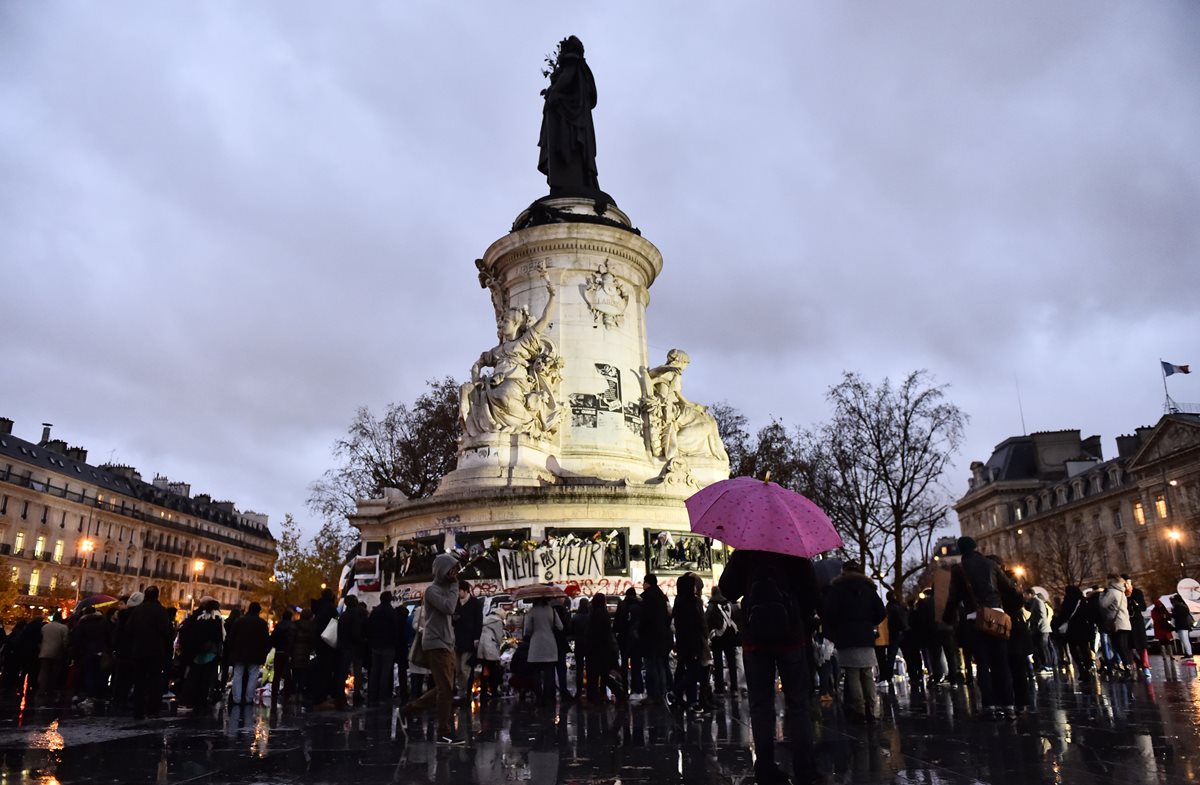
{"points": [[103, 477]]}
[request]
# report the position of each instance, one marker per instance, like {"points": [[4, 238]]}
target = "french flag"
{"points": [[1169, 369]]}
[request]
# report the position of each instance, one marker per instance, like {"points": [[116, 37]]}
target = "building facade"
{"points": [[1051, 504], [69, 528]]}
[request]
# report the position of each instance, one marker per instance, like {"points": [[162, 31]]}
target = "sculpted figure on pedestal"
{"points": [[568, 139], [677, 426], [521, 393]]}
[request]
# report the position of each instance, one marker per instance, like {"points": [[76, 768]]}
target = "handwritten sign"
{"points": [[558, 563]]}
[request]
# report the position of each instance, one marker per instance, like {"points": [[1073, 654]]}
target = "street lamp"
{"points": [[1174, 535], [197, 568], [1019, 571], [86, 547]]}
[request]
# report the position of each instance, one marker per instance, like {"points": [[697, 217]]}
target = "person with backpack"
{"points": [[723, 633], [779, 598], [853, 612]]}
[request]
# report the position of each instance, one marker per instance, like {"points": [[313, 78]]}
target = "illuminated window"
{"points": [[1020, 512], [53, 582], [58, 551], [19, 542], [1139, 513], [34, 575], [39, 545], [1160, 506], [15, 575]]}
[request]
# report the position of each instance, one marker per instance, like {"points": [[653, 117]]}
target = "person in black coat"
{"points": [[149, 636], [626, 626], [853, 612], [976, 582], [654, 636], [1076, 623], [382, 637], [402, 644], [1137, 622], [322, 672], [283, 640], [201, 647], [690, 635], [468, 626], [579, 636], [1020, 644], [776, 650], [603, 655], [351, 644], [249, 643]]}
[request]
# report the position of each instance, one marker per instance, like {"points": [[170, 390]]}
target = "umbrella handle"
{"points": [[767, 478]]}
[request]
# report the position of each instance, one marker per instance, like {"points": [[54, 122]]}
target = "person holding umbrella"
{"points": [[774, 531]]}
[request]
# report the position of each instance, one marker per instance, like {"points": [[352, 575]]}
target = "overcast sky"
{"points": [[224, 226]]}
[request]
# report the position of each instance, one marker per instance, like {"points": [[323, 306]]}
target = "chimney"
{"points": [[57, 445], [45, 433], [78, 453], [5, 426]]}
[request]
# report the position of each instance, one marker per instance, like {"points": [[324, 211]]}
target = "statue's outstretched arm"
{"points": [[541, 324]]}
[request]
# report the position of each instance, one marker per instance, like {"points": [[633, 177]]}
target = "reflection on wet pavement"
{"points": [[1119, 733]]}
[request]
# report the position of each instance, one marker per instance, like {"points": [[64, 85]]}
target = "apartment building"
{"points": [[69, 528]]}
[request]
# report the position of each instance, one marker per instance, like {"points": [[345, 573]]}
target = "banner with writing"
{"points": [[558, 563]]}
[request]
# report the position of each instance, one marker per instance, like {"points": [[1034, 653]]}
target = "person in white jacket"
{"points": [[491, 640], [1114, 615]]}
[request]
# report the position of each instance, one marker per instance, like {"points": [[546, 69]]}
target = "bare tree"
{"points": [[892, 444], [731, 424], [409, 448], [1061, 558]]}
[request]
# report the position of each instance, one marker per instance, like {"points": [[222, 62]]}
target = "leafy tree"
{"points": [[303, 565], [410, 448]]}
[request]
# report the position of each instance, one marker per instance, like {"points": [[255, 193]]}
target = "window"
{"points": [[1139, 513], [1160, 506], [1116, 518], [4, 505], [34, 576], [1123, 552], [19, 543], [15, 575], [1146, 556], [53, 582], [1019, 511], [39, 545], [58, 551], [24, 510]]}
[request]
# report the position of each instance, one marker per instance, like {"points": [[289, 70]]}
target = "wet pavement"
{"points": [[1099, 733]]}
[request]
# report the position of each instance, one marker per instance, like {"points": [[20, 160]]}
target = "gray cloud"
{"points": [[224, 228]]}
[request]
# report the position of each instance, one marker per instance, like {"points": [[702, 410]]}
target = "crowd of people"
{"points": [[767, 623]]}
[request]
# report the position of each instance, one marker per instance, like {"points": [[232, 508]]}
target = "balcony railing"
{"points": [[15, 478]]}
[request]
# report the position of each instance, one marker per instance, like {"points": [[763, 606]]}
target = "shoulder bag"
{"points": [[988, 621]]}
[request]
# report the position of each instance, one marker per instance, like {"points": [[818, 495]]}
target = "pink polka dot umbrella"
{"points": [[760, 515]]}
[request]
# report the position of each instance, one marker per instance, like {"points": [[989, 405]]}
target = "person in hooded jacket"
{"points": [[491, 641], [438, 605], [853, 611]]}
